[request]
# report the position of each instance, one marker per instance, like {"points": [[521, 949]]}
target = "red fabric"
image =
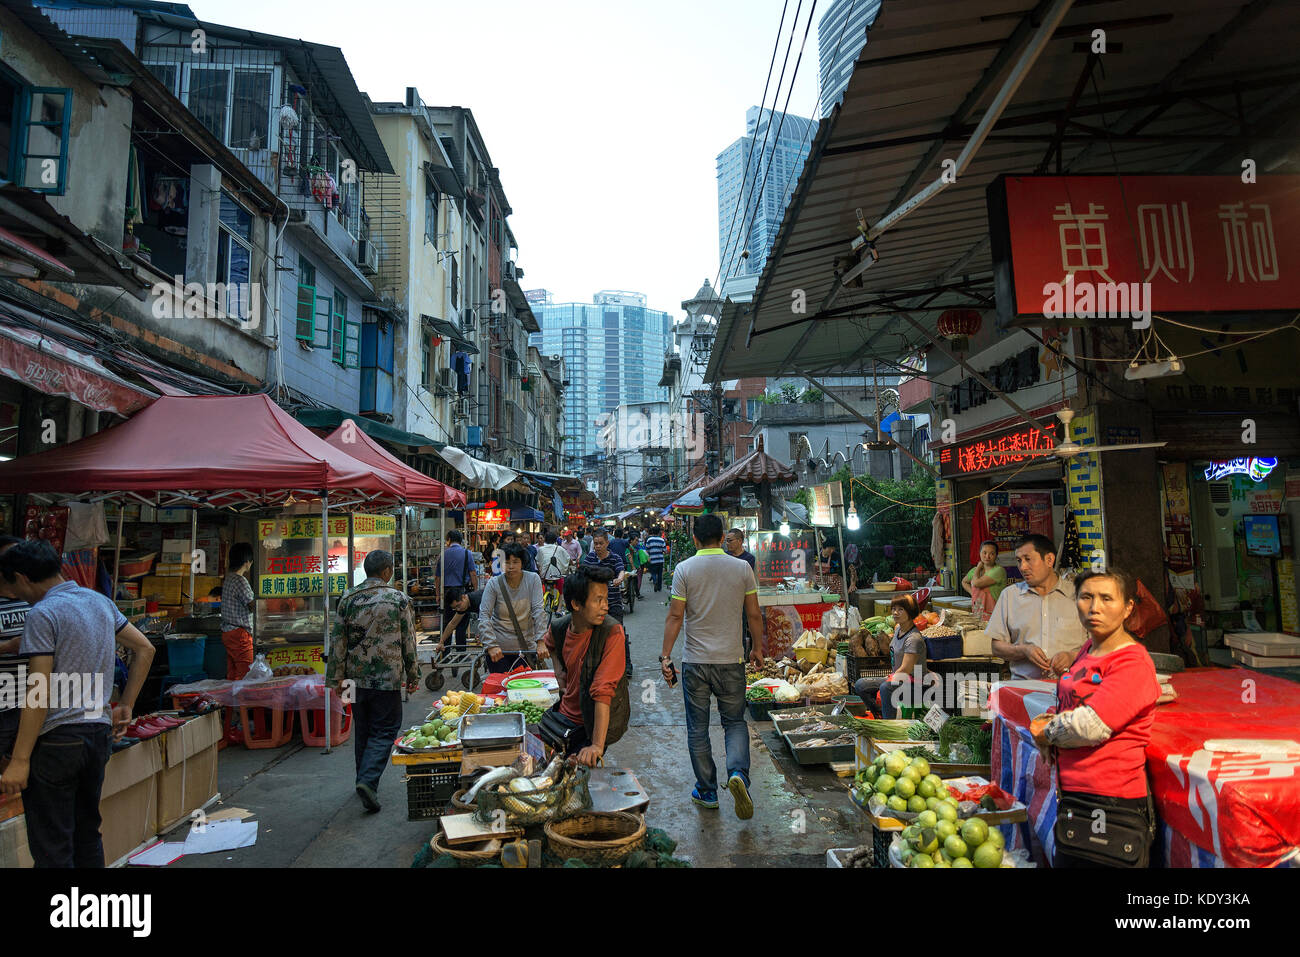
{"points": [[206, 443], [1122, 688], [1147, 614], [417, 486], [1241, 808], [979, 530], [612, 666]]}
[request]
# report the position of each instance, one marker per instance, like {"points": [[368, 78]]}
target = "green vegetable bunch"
{"points": [[532, 713]]}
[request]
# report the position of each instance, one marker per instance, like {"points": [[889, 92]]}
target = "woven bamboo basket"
{"points": [[458, 801], [463, 854], [597, 839]]}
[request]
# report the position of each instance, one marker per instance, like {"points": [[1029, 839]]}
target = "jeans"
{"points": [[378, 717], [866, 688], [62, 795], [727, 684], [657, 575]]}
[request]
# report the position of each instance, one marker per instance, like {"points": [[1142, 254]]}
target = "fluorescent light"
{"points": [[853, 522], [785, 528]]}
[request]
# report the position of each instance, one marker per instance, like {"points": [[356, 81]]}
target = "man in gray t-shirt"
{"points": [[63, 736], [709, 593]]}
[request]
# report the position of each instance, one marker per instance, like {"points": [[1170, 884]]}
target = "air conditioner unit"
{"points": [[446, 380], [462, 408], [368, 257], [1213, 525], [460, 433], [468, 320]]}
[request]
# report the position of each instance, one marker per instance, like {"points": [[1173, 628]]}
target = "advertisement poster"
{"points": [[1264, 501], [1286, 595], [1262, 536], [1178, 519], [783, 624], [778, 557], [1012, 515], [1293, 485]]}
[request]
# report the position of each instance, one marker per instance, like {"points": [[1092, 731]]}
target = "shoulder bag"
{"points": [[514, 619], [1122, 837]]}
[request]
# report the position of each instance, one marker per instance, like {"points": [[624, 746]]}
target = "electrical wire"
{"points": [[853, 479], [726, 247]]}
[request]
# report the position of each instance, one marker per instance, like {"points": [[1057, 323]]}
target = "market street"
{"points": [[309, 815]]}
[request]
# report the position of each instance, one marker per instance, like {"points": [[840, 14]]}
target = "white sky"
{"points": [[605, 118]]}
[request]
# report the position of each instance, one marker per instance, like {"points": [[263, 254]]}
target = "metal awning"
{"points": [[330, 419], [440, 327], [1171, 94], [446, 179]]}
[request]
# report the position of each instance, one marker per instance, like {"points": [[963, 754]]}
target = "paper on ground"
{"points": [[221, 836], [229, 813], [159, 855]]}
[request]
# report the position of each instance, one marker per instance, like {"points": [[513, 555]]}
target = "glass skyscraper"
{"points": [[613, 352], [841, 34], [754, 224]]}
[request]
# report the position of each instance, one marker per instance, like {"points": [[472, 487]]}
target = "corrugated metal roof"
{"points": [[928, 73]]}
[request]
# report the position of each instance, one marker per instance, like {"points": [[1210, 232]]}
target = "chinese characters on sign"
{"points": [[1010, 448], [488, 520], [299, 527], [777, 557], [299, 586], [1203, 243], [1257, 468], [374, 525], [293, 657], [293, 565]]}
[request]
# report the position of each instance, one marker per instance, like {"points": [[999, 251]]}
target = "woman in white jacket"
{"points": [[521, 591]]}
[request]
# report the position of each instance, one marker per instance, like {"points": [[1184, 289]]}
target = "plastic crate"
{"points": [[937, 649], [762, 710], [428, 793], [858, 667], [185, 655]]}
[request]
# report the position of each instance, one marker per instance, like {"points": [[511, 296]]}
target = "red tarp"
{"points": [[216, 443], [1243, 809], [419, 487], [49, 366]]}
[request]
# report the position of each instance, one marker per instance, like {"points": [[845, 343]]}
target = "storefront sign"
{"points": [[778, 557], [52, 368], [374, 525], [827, 504], [297, 656], [1257, 469], [303, 526], [1018, 372], [299, 586], [489, 520], [1182, 243], [999, 451]]}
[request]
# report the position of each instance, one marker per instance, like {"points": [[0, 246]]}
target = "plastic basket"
{"points": [[428, 793], [858, 667], [185, 655]]}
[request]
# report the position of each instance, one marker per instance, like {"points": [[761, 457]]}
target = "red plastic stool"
{"points": [[312, 721], [265, 727]]}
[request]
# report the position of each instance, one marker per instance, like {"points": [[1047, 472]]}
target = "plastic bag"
{"points": [[259, 670]]}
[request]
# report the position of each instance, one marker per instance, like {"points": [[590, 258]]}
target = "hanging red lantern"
{"points": [[958, 325]]}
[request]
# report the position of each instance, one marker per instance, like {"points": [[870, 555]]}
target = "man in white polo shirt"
{"points": [[709, 593], [1035, 625]]}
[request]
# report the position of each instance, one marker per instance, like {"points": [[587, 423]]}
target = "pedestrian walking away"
{"points": [[710, 590], [655, 547], [372, 647], [64, 733]]}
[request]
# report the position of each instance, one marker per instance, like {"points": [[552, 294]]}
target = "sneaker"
{"points": [[368, 798], [740, 791], [708, 799]]}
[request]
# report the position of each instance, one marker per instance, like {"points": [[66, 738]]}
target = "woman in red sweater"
{"points": [[1099, 733]]}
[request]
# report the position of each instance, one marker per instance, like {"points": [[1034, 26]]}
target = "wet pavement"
{"points": [[309, 814]]}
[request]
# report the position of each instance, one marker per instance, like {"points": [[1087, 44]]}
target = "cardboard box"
{"points": [[188, 777], [202, 585], [164, 590], [14, 851], [175, 550], [975, 643], [128, 804], [172, 569]]}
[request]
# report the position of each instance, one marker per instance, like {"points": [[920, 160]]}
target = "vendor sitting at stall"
{"points": [[512, 619], [984, 582], [902, 686]]}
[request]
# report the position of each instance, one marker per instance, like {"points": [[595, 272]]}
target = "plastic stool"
{"points": [[312, 721], [265, 727]]}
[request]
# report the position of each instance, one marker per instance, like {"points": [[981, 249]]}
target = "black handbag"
{"points": [[1103, 834]]}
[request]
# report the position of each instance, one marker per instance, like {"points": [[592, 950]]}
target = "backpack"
{"points": [[620, 709]]}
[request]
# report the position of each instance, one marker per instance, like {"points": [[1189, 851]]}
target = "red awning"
{"points": [[222, 450], [35, 260], [419, 488], [49, 366]]}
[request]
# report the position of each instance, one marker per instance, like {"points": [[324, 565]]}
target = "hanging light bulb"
{"points": [[853, 522], [785, 527]]}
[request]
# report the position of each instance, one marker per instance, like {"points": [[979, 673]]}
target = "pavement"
{"points": [[309, 815]]}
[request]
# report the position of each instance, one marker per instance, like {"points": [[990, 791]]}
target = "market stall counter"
{"points": [[1223, 762]]}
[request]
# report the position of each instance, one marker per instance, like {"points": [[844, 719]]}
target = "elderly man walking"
{"points": [[372, 646]]}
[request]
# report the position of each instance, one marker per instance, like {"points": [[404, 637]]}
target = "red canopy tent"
{"points": [[223, 451], [417, 486]]}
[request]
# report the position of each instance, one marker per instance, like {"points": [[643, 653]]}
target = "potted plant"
{"points": [[143, 253]]}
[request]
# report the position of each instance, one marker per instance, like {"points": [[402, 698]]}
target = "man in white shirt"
{"points": [[1035, 625], [553, 559]]}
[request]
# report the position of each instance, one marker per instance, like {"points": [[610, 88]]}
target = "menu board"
{"points": [[778, 557]]}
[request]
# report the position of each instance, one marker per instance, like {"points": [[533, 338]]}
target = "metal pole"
{"points": [[406, 556], [194, 539], [442, 558], [117, 552], [325, 574]]}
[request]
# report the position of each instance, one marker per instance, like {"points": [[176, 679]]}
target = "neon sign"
{"points": [[1009, 448], [1258, 469]]}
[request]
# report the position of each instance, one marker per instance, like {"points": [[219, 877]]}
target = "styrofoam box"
{"points": [[1268, 643], [1264, 661]]}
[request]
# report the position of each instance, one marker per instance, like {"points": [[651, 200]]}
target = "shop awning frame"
{"points": [[922, 88]]}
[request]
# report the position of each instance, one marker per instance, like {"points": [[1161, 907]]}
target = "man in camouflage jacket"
{"points": [[372, 645]]}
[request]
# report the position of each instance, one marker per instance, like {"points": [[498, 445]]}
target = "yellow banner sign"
{"points": [[299, 586], [297, 656], [374, 525], [303, 526]]}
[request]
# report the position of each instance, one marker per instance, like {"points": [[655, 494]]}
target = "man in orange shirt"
{"points": [[594, 706]]}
